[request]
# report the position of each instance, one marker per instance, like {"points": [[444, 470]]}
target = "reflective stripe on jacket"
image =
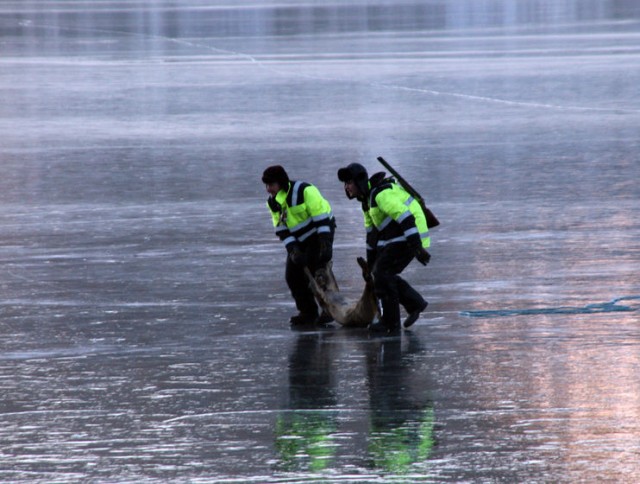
{"points": [[394, 216], [302, 212]]}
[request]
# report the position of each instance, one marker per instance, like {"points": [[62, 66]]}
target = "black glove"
{"points": [[423, 256], [297, 255], [366, 270], [273, 205], [325, 250], [371, 258]]}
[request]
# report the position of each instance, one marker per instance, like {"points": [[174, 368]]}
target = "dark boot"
{"points": [[390, 313], [378, 327], [414, 315], [303, 319], [381, 328]]}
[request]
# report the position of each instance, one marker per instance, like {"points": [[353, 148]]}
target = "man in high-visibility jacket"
{"points": [[396, 233], [304, 223]]}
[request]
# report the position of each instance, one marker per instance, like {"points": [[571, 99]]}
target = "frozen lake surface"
{"points": [[144, 314]]}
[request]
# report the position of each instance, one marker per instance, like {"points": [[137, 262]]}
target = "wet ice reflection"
{"points": [[389, 428]]}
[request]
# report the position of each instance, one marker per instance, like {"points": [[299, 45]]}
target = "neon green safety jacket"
{"points": [[300, 212], [394, 216]]}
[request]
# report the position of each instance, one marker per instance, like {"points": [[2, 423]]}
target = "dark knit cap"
{"points": [[275, 174], [354, 171], [358, 174]]}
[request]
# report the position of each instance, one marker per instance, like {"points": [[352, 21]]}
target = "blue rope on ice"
{"points": [[607, 307]]}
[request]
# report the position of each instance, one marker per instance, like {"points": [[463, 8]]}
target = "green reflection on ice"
{"points": [[304, 442], [396, 449]]}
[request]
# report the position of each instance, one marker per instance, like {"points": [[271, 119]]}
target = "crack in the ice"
{"points": [[606, 307]]}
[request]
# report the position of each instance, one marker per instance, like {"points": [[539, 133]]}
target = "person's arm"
{"points": [[318, 209]]}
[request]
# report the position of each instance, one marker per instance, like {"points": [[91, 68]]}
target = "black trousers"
{"points": [[297, 280], [389, 287]]}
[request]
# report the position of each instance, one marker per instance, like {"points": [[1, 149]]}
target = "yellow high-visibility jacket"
{"points": [[299, 212], [392, 215]]}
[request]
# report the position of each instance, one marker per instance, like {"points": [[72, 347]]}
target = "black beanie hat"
{"points": [[275, 174], [354, 171], [358, 174]]}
